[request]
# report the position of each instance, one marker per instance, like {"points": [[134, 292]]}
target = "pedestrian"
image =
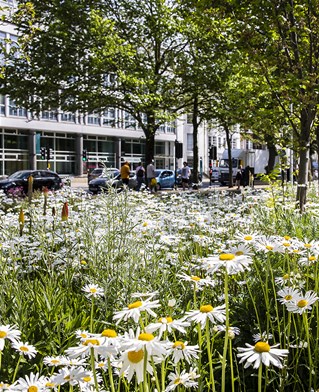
{"points": [[239, 177], [151, 176], [140, 174], [125, 173], [246, 176], [185, 174]]}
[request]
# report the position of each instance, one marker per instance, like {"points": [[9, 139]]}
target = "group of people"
{"points": [[141, 173], [244, 177], [150, 175]]}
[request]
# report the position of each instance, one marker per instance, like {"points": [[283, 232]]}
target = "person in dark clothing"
{"points": [[246, 176], [239, 177]]}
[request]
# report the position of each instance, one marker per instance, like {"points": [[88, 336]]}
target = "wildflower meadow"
{"points": [[131, 291]]}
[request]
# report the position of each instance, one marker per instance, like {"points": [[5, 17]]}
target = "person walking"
{"points": [[239, 177], [140, 173], [125, 173], [151, 176], [185, 174]]}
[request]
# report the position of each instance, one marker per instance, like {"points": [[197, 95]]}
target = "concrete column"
{"points": [[32, 151], [78, 155], [118, 153]]}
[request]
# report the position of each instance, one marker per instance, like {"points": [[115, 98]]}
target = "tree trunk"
{"points": [[228, 141], [195, 140], [149, 131], [272, 157], [307, 117]]}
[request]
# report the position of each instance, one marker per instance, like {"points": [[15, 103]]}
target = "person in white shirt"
{"points": [[185, 174], [140, 173], [150, 174]]}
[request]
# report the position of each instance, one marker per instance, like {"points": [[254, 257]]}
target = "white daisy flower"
{"points": [[183, 379], [134, 310], [54, 361], [99, 346], [93, 290], [232, 331], [133, 362], [33, 383], [261, 353], [302, 303], [181, 350], [207, 312], [144, 340], [262, 337], [288, 294], [167, 324], [8, 332], [25, 349], [232, 263], [72, 375], [200, 283]]}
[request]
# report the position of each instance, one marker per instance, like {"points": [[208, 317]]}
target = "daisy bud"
{"points": [[65, 211], [172, 302], [21, 217]]}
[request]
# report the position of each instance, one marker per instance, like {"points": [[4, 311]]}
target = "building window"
{"points": [[171, 127], [159, 148], [68, 117], [2, 105], [129, 121], [189, 118], [14, 110], [50, 115], [109, 117], [190, 142], [93, 118]]}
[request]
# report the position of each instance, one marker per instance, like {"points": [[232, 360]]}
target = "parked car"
{"points": [[41, 179], [179, 177], [104, 182], [98, 171], [213, 174], [165, 178]]}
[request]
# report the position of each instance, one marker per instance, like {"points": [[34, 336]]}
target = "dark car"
{"points": [[41, 179], [98, 171], [104, 182]]}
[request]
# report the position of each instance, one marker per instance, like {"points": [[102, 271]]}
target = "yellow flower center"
{"points": [[295, 251], [146, 337], [135, 356], [308, 245], [145, 224], [33, 388], [239, 253], [93, 290], [24, 348], [262, 347], [248, 238], [312, 258], [83, 262], [177, 381], [3, 334], [226, 256], [93, 342], [269, 247], [50, 384], [288, 297], [196, 278], [83, 335], [87, 379], [67, 378], [135, 305], [109, 333], [286, 244], [286, 276], [302, 303], [179, 345], [166, 320], [206, 308], [55, 361], [287, 237]]}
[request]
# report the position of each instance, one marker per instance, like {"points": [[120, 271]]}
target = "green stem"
{"points": [[110, 374], [92, 313], [260, 378], [209, 354], [94, 370], [231, 366], [16, 369], [224, 360], [305, 320]]}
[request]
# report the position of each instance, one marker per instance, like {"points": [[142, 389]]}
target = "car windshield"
{"points": [[19, 175], [157, 172]]}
